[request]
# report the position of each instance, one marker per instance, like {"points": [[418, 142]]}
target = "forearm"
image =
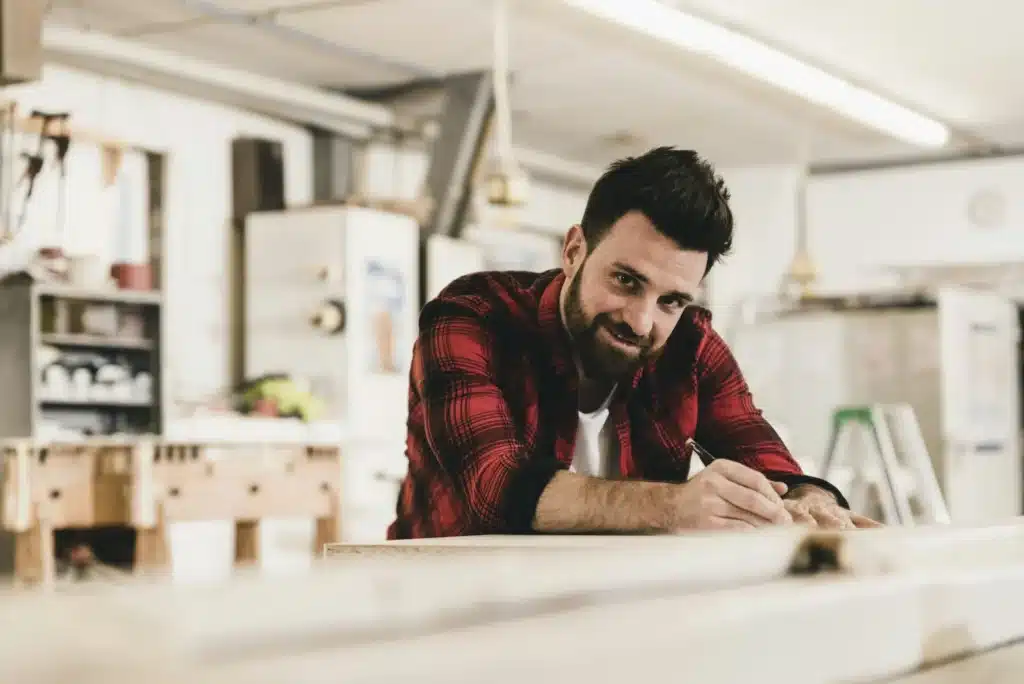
{"points": [[576, 503]]}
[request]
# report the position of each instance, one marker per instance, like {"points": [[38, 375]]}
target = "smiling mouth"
{"points": [[621, 341]]}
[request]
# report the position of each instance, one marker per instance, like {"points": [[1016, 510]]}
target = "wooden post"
{"points": [[247, 542], [34, 561], [328, 529], [152, 546]]}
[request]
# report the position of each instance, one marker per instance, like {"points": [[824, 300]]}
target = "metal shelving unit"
{"points": [[47, 329]]}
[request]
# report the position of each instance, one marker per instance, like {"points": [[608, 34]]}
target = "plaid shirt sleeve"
{"points": [[730, 426], [482, 479]]}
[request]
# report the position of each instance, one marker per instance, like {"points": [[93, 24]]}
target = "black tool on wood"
{"points": [[33, 167]]}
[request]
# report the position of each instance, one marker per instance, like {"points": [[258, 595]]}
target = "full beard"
{"points": [[599, 358]]}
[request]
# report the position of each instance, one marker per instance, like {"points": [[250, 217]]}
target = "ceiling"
{"points": [[589, 92]]}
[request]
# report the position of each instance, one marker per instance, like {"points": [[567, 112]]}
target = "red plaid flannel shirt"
{"points": [[493, 408]]}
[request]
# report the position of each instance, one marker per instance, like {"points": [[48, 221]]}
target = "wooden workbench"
{"points": [[148, 483]]}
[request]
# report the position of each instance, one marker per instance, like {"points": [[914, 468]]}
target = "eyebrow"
{"points": [[685, 296]]}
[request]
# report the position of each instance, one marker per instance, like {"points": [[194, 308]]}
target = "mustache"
{"points": [[623, 331]]}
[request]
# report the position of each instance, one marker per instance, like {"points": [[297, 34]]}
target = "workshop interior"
{"points": [[220, 220]]}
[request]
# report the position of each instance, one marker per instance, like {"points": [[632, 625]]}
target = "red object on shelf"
{"points": [[133, 276], [265, 407]]}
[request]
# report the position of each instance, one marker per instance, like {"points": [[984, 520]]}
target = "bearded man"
{"points": [[569, 401]]}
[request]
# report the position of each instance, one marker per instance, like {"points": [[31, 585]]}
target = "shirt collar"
{"points": [[554, 334]]}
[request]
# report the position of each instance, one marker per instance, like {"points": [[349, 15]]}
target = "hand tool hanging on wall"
{"points": [[54, 129], [7, 156], [33, 167]]}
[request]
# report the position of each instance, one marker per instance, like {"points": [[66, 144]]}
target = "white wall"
{"points": [[553, 209], [764, 204], [860, 222]]}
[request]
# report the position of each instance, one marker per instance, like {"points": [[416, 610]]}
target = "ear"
{"points": [[574, 249]]}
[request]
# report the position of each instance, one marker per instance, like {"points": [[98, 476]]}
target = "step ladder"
{"points": [[877, 455]]}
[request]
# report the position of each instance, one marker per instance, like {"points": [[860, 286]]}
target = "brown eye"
{"points": [[624, 280], [675, 303]]}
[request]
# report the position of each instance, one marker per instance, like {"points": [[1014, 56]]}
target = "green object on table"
{"points": [[290, 399]]}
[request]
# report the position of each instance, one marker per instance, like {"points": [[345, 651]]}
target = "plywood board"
{"points": [[861, 551], [999, 666], [687, 607]]}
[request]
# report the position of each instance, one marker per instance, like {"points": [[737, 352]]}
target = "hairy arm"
{"points": [[577, 503]]}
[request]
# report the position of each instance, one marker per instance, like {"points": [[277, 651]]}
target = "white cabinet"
{"points": [[297, 263], [364, 263]]}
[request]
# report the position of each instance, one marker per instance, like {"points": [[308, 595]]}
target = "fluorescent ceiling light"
{"points": [[767, 64]]}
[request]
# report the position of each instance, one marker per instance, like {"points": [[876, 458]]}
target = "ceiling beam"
{"points": [[304, 105]]}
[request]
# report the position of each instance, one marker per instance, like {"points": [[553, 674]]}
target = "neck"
{"points": [[593, 394]]}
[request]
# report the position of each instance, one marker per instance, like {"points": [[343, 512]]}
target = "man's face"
{"points": [[623, 298]]}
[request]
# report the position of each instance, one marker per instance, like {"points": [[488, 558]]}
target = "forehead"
{"points": [[634, 242]]}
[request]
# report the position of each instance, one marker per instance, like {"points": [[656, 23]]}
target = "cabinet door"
{"points": [[981, 471], [382, 255], [294, 265]]}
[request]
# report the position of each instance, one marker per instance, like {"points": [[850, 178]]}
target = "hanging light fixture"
{"points": [[506, 184]]}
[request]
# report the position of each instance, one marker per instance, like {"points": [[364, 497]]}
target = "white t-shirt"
{"points": [[596, 443]]}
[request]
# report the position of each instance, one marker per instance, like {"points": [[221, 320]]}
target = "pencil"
{"points": [[703, 454]]}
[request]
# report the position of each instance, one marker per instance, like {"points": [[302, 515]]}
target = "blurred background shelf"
{"points": [[80, 361], [93, 342]]}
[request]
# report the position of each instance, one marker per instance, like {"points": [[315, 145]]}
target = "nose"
{"points": [[639, 316]]}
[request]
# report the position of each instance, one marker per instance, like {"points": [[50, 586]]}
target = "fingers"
{"points": [[828, 517], [864, 522], [750, 504], [731, 523], [723, 510], [719, 523], [746, 477], [831, 520], [780, 487], [798, 510]]}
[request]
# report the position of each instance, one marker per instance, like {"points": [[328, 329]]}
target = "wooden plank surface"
{"points": [[725, 557], [637, 608], [884, 549], [921, 549], [809, 630], [799, 631], [528, 542], [999, 666], [813, 630]]}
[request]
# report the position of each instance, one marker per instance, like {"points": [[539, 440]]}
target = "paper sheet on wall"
{"points": [[990, 372], [389, 340]]}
